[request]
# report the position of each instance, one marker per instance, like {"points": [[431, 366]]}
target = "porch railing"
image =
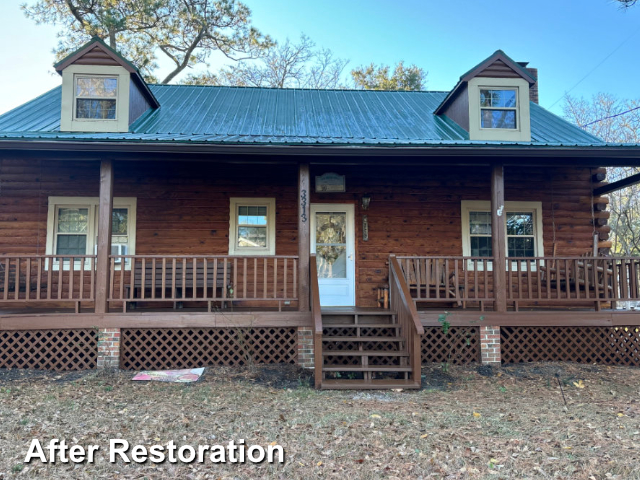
{"points": [[530, 281], [408, 319], [47, 278], [462, 281], [571, 280], [219, 278]]}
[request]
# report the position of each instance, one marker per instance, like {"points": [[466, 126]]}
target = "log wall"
{"points": [[183, 207]]}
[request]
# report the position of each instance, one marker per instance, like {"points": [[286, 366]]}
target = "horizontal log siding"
{"points": [[183, 208]]}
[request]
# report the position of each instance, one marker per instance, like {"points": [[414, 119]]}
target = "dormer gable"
{"points": [[491, 101], [101, 90]]}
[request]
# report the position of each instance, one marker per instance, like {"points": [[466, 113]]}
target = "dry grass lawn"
{"points": [[512, 424]]}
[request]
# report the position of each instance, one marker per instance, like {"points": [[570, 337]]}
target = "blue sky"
{"points": [[564, 39]]}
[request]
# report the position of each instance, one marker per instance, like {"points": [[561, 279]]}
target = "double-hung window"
{"points": [[523, 229], [95, 97], [72, 227], [499, 108], [252, 226]]}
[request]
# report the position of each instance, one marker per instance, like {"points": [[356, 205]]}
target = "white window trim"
{"points": [[68, 120], [468, 206], [270, 203], [92, 202], [522, 132]]}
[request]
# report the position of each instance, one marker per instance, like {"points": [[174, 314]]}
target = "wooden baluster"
{"points": [[437, 278], [428, 268], [295, 280], [476, 284], [235, 278], [39, 279], [194, 278], [27, 289], [519, 274], [539, 277], [122, 297], [224, 275], [7, 266], [465, 269], [153, 277], [624, 276], [143, 278], [255, 278], [215, 278], [587, 285], [446, 277], [174, 264], [485, 274], [529, 279], [616, 292], [164, 277], [456, 288], [71, 276], [205, 281], [417, 265], [275, 278], [264, 273], [285, 278], [132, 275], [184, 278], [60, 272], [92, 275], [244, 277]]}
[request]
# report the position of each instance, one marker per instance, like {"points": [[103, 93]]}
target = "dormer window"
{"points": [[498, 108], [95, 97]]}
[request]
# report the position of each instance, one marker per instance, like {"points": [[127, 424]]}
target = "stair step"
{"points": [[329, 311], [362, 353], [370, 368], [361, 325], [362, 339], [367, 384]]}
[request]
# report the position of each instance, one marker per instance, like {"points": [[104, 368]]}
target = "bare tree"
{"points": [[290, 65], [615, 121]]}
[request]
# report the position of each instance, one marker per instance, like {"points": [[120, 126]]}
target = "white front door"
{"points": [[333, 242]]}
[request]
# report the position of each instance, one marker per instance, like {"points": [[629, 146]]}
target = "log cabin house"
{"points": [[172, 226]]}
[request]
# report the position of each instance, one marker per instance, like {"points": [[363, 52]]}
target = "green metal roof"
{"points": [[236, 115]]}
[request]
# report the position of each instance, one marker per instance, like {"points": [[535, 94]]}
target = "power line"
{"points": [[594, 68], [610, 116]]}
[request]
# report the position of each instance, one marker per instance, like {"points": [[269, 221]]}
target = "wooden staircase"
{"points": [[357, 348], [364, 349]]}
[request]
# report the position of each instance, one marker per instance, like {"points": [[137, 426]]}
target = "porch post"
{"points": [[304, 236], [498, 238], [104, 236]]}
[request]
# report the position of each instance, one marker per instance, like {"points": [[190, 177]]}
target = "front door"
{"points": [[333, 242]]}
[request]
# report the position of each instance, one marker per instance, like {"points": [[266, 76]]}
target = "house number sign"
{"points": [[365, 228], [330, 183]]}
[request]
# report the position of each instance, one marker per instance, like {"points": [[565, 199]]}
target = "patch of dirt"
{"points": [[16, 375], [433, 378], [276, 376]]}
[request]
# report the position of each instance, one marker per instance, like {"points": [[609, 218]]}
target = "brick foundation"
{"points": [[305, 347], [109, 348], [490, 345]]}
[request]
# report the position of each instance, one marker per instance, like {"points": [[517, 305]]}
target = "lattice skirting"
{"points": [[49, 349], [604, 345], [166, 348], [460, 346]]}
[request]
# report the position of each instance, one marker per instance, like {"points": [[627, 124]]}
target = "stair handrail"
{"points": [[316, 315], [408, 318]]}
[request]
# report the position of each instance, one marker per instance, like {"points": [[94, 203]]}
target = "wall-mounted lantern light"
{"points": [[366, 200]]}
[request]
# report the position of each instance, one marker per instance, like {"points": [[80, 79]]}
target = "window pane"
{"points": [[96, 109], [332, 261], [73, 220], [71, 245], [252, 215], [252, 237], [499, 119], [480, 246], [96, 87], [521, 247], [480, 223], [519, 223], [119, 221], [331, 228], [498, 98]]}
